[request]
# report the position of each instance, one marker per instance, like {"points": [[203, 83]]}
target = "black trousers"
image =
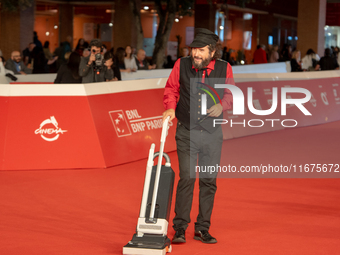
{"points": [[192, 145]]}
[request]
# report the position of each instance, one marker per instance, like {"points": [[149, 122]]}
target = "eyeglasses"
{"points": [[17, 56]]}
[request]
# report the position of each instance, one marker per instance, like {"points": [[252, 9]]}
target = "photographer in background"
{"points": [[94, 68]]}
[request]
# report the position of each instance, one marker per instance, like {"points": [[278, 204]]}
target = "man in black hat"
{"points": [[196, 136]]}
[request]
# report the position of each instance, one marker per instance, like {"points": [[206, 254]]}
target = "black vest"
{"points": [[188, 110]]}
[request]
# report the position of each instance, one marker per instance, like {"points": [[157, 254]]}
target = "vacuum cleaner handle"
{"points": [[159, 165], [147, 181], [165, 129], [166, 156]]}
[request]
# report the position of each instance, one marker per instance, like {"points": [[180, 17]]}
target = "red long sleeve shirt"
{"points": [[172, 87], [260, 56]]}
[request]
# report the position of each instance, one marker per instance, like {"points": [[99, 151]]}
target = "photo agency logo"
{"points": [[239, 105]]}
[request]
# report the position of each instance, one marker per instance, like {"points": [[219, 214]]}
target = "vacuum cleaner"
{"points": [[152, 226]]}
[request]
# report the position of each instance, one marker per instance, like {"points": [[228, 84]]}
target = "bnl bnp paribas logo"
{"points": [[134, 122], [239, 109]]}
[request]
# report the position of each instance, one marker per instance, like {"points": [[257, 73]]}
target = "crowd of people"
{"points": [[100, 63], [65, 61], [311, 61]]}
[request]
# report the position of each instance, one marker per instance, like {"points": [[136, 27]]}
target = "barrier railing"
{"points": [[281, 67], [49, 126]]}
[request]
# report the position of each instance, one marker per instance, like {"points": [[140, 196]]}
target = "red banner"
{"points": [[50, 133], [97, 131], [128, 123], [100, 125]]}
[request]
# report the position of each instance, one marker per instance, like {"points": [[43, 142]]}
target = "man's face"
{"points": [[201, 57], [185, 52], [69, 39], [95, 50], [141, 55], [31, 46], [16, 56]]}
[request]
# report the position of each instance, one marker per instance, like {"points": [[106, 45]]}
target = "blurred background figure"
{"points": [[328, 62], [67, 55], [286, 52], [69, 73], [67, 45], [3, 70], [169, 63], [2, 66], [142, 63], [116, 72], [36, 40], [336, 54], [81, 46], [86, 52], [273, 54], [63, 48], [133, 51], [184, 52], [16, 65], [295, 62], [40, 63], [26, 54], [225, 54], [260, 56], [310, 62], [129, 60], [52, 68], [120, 60], [58, 52], [104, 48], [335, 51], [47, 52]]}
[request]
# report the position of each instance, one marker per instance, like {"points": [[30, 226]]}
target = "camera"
{"points": [[99, 59]]}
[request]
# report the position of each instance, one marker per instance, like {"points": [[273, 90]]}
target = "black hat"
{"points": [[203, 38]]}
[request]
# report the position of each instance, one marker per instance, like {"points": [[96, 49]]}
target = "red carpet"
{"points": [[95, 211]]}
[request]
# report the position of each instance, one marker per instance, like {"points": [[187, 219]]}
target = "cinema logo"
{"points": [[238, 105], [49, 130], [130, 121]]}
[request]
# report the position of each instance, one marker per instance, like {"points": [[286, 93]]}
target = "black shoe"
{"points": [[179, 236], [204, 236]]}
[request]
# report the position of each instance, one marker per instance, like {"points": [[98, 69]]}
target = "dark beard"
{"points": [[203, 64]]}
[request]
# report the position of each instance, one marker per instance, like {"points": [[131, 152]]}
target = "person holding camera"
{"points": [[94, 68]]}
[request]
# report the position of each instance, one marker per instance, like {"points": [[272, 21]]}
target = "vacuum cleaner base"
{"points": [[142, 251], [148, 245]]}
